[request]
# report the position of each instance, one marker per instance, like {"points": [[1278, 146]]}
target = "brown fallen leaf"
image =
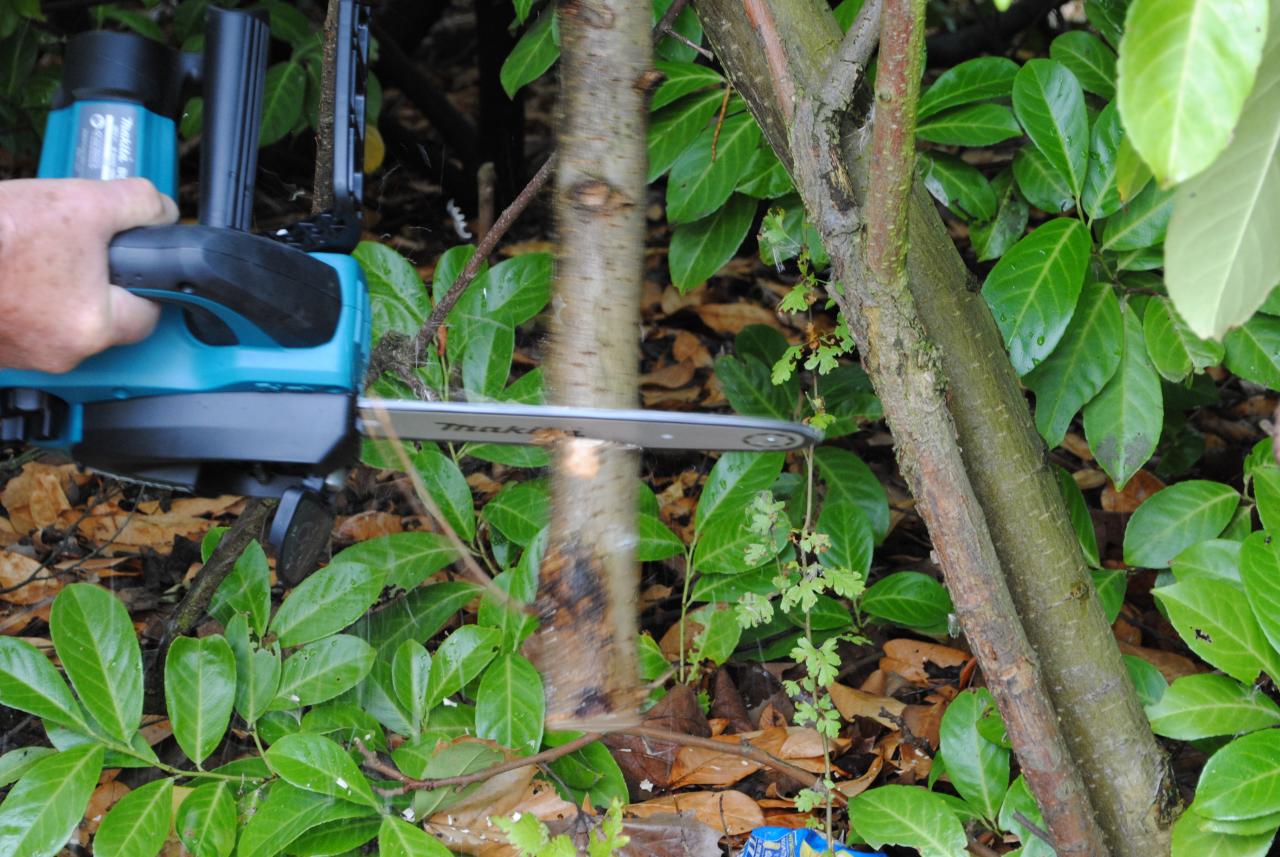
{"points": [[653, 398], [1139, 487], [23, 581], [472, 831], [800, 746], [908, 658], [1089, 478], [732, 318], [858, 785], [366, 525], [671, 376], [103, 798], [688, 347], [853, 703], [1077, 446], [730, 812], [673, 301], [924, 721]]}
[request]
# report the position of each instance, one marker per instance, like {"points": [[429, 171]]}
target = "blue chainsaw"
{"points": [[251, 382]]}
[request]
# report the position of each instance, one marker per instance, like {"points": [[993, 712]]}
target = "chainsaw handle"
{"points": [[239, 288]]}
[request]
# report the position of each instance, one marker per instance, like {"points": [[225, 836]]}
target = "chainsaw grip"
{"points": [[240, 288]]}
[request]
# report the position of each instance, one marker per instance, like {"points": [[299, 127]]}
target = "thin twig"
{"points": [[409, 784], [483, 250], [668, 20], [428, 502], [743, 748], [724, 108]]}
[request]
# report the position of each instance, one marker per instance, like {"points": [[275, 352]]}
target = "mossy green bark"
{"points": [[1108, 735]]}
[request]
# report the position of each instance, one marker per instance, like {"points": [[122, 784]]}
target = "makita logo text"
{"points": [[465, 427]]}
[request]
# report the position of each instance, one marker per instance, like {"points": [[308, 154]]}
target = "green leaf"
{"points": [[852, 541], [138, 825], [1260, 573], [399, 300], [1110, 584], [28, 682], [1253, 351], [514, 291], [199, 693], [719, 635], [908, 816], [247, 590], [326, 602], [589, 772], [1123, 422], [1081, 520], [1033, 289], [286, 814], [257, 671], [1091, 61], [686, 24], [406, 558], [519, 511], [430, 761], [958, 186], [1266, 491], [1018, 801], [700, 183], [42, 810], [749, 389], [972, 125], [721, 546], [322, 670], [674, 128], [731, 587], [1101, 196], [417, 615], [459, 660], [1208, 705], [536, 51], [1185, 69], [654, 541], [1174, 349], [409, 671], [1141, 223], [1147, 680], [850, 480], [734, 482], [1242, 780], [974, 80], [1175, 518], [336, 838], [766, 178], [282, 99], [977, 768], [1078, 369], [1262, 824], [99, 650], [17, 762], [1040, 183], [701, 248], [486, 359], [680, 79], [1218, 558], [397, 838], [1217, 624], [522, 9], [510, 705], [910, 599], [316, 764], [1189, 837], [992, 239], [345, 722], [1221, 261], [1050, 105], [448, 487]]}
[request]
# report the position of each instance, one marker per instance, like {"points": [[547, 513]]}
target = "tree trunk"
{"points": [[1023, 513], [586, 646]]}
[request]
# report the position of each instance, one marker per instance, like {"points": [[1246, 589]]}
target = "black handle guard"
{"points": [[294, 300]]}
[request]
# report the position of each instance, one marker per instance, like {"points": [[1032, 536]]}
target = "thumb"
{"points": [[132, 318], [134, 202]]}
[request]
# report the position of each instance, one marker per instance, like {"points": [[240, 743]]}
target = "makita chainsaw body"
{"points": [[250, 383]]}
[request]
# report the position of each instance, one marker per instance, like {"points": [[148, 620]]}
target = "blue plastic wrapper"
{"points": [[786, 842]]}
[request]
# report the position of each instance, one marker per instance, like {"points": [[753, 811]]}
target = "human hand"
{"points": [[56, 305]]}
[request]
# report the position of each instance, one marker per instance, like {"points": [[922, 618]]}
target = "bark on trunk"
{"points": [[585, 647], [1023, 513]]}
